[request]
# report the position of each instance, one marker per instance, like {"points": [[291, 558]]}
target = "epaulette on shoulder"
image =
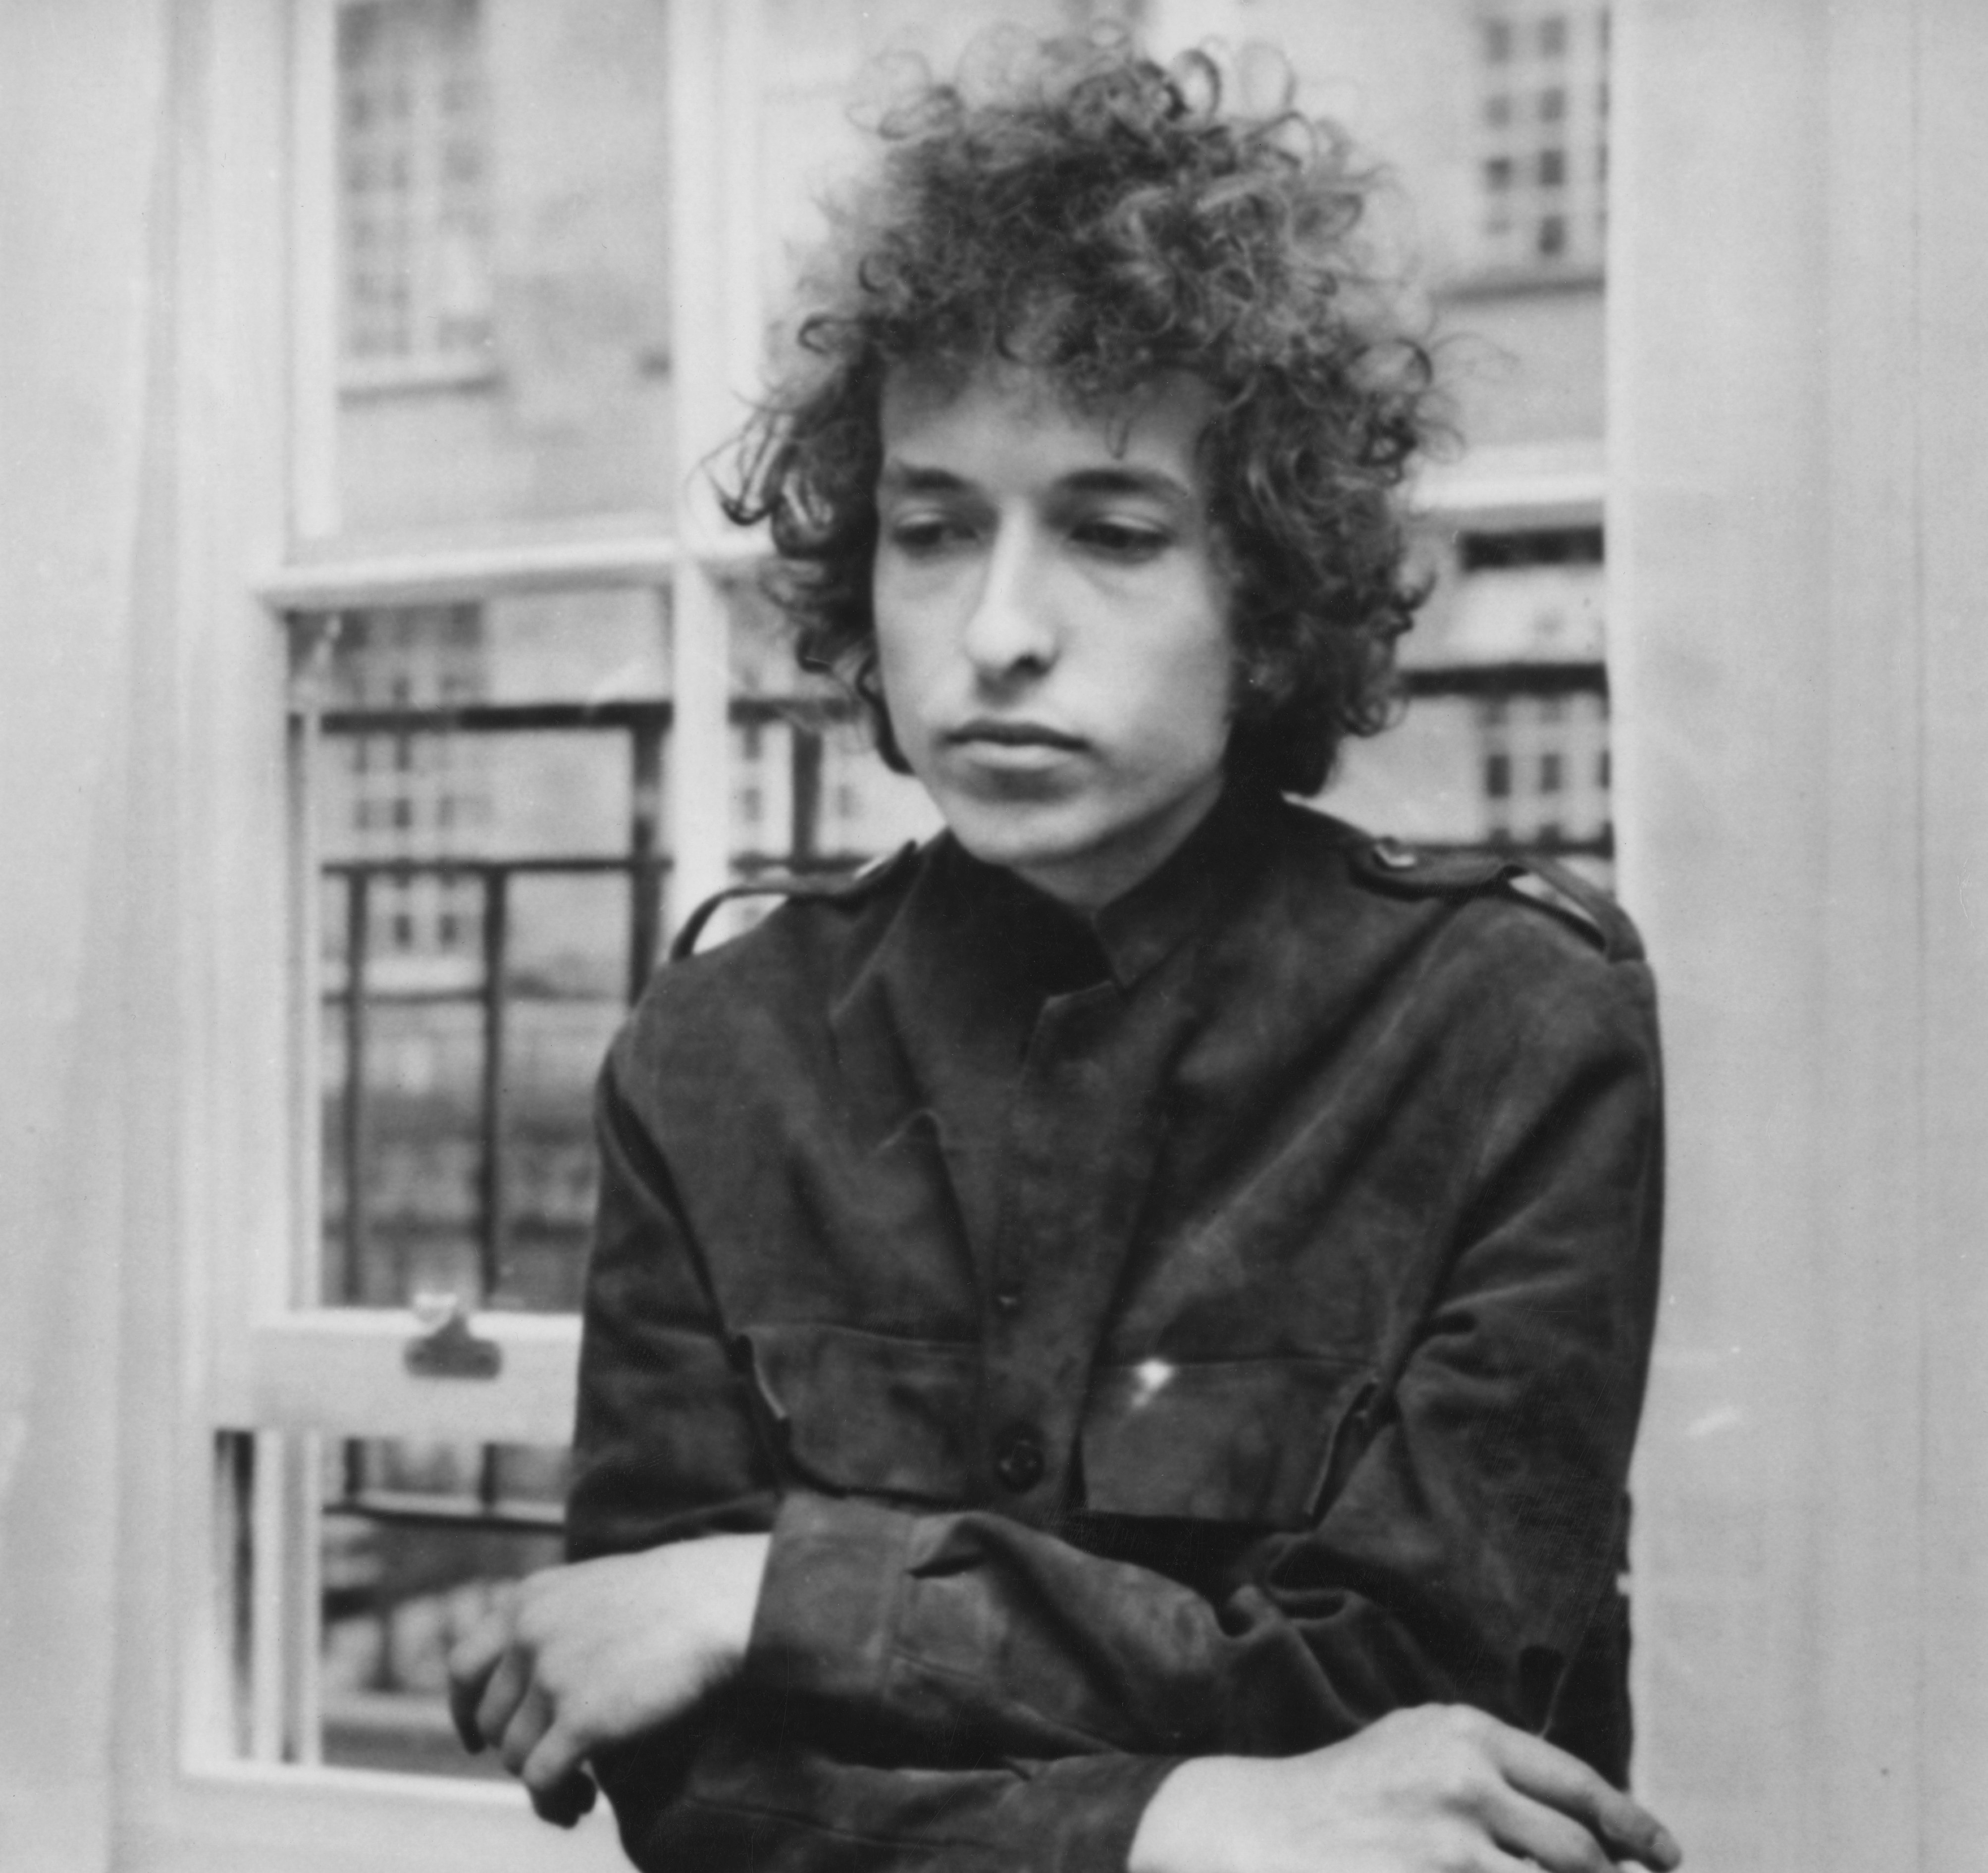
{"points": [[861, 884], [1404, 872]]}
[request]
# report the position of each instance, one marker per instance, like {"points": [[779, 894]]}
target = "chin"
{"points": [[1019, 837]]}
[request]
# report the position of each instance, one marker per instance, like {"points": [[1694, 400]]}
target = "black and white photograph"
{"points": [[993, 936]]}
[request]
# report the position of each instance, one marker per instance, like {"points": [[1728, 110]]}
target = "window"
{"points": [[1545, 775], [536, 711], [1543, 169]]}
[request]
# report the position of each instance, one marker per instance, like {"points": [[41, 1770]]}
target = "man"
{"points": [[1113, 1342]]}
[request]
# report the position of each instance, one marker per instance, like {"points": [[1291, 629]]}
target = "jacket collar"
{"points": [[1132, 936]]}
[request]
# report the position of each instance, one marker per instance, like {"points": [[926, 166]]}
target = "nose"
{"points": [[1010, 631]]}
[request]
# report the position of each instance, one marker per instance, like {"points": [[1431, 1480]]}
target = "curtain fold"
{"points": [[85, 390]]}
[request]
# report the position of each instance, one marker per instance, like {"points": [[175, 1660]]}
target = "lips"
{"points": [[988, 732]]}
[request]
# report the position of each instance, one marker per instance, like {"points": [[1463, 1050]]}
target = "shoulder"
{"points": [[1389, 868], [1492, 941], [778, 977], [878, 882]]}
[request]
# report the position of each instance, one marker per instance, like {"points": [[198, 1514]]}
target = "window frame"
{"points": [[255, 329]]}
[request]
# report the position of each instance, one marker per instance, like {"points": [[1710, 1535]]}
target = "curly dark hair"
{"points": [[1104, 219]]}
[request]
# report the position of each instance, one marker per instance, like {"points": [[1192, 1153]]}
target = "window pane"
{"points": [[502, 264], [488, 786], [502, 280]]}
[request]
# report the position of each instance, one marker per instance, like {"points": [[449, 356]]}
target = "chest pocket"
{"points": [[1267, 1441], [869, 1412]]}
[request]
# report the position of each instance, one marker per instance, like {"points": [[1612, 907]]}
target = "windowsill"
{"points": [[359, 377], [1502, 282], [1516, 487]]}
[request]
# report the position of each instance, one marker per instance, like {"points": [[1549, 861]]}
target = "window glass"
{"points": [[502, 262], [487, 785]]}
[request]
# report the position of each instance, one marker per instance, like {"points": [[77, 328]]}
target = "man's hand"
{"points": [[580, 1656], [1438, 1789]]}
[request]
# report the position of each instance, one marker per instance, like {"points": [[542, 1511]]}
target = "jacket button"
{"points": [[1017, 1458]]}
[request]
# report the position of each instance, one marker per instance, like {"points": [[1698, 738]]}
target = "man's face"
{"points": [[1053, 622]]}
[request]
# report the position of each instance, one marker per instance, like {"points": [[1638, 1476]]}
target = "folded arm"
{"points": [[1470, 1527]]}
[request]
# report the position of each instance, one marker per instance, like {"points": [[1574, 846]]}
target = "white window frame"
{"points": [[202, 1783]]}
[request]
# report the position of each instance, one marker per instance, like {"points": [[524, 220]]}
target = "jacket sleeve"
{"points": [[1469, 1536]]}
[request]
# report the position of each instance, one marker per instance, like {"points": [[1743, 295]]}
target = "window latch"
{"points": [[448, 1349]]}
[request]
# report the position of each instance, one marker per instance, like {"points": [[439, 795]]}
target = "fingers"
{"points": [[475, 1657], [1550, 1775], [529, 1721], [1545, 1838], [566, 1804], [560, 1788], [543, 1754], [502, 1694], [495, 1700]]}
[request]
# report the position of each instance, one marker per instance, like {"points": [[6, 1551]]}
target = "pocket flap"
{"points": [[1261, 1441], [867, 1411]]}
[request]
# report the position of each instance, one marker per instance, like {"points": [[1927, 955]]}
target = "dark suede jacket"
{"points": [[1202, 1328]]}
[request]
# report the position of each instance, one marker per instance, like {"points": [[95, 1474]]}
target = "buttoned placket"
{"points": [[1074, 1168]]}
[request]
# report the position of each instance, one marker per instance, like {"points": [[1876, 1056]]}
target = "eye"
{"points": [[920, 533], [1115, 538]]}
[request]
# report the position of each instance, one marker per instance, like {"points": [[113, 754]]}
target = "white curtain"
{"points": [[85, 517]]}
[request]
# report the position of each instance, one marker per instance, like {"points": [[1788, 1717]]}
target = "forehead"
{"points": [[1010, 422]]}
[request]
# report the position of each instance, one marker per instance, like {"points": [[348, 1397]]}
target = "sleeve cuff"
{"points": [[827, 1614], [1090, 1808]]}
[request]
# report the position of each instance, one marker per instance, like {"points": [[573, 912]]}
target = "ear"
{"points": [[1262, 682]]}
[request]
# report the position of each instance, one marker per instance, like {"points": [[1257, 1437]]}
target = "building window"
{"points": [[1544, 169], [1545, 768], [400, 786], [413, 209]]}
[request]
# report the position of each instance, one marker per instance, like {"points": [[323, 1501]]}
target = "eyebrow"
{"points": [[900, 478]]}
